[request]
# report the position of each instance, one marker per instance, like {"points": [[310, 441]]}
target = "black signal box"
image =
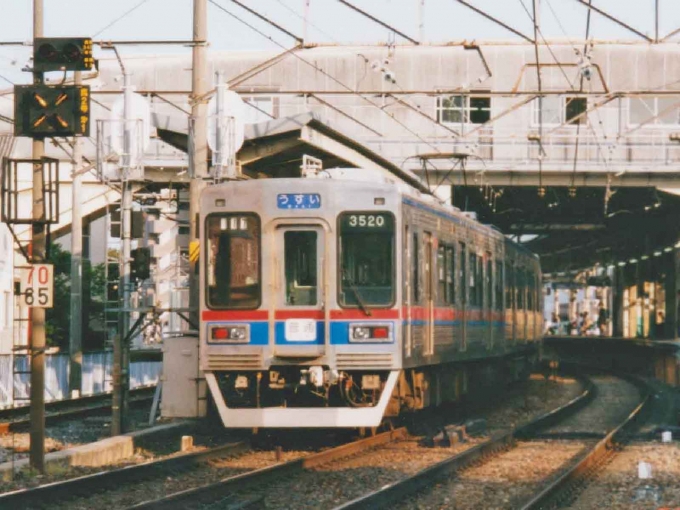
{"points": [[140, 267], [62, 54], [42, 111]]}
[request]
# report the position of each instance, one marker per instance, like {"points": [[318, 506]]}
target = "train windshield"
{"points": [[233, 261], [366, 258]]}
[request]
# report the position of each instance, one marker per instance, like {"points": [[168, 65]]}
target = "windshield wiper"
{"points": [[357, 296]]}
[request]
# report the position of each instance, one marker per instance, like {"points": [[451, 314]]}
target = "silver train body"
{"points": [[337, 303]]}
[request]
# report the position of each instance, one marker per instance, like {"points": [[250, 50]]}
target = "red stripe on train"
{"points": [[355, 314], [234, 315], [263, 315], [282, 315]]}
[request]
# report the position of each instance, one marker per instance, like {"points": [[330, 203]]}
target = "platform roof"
{"points": [[275, 148]]}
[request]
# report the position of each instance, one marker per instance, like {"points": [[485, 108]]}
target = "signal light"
{"points": [[140, 268], [44, 111], [62, 53]]}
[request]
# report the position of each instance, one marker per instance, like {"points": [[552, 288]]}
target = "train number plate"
{"points": [[300, 330]]}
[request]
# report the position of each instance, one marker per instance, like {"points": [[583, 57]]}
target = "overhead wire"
{"points": [[332, 78], [119, 18]]}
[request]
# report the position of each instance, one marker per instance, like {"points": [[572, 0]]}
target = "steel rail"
{"points": [[562, 486], [398, 491], [84, 485], [227, 487]]}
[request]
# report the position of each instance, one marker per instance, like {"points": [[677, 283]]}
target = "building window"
{"points": [[551, 113], [559, 109], [463, 110], [573, 107], [663, 111], [259, 109]]}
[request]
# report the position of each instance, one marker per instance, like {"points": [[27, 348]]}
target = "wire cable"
{"points": [[137, 6], [332, 78]]}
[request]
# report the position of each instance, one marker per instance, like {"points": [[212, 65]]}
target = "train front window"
{"points": [[233, 261], [366, 259]]}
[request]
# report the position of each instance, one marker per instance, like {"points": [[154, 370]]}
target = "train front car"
{"points": [[299, 301]]}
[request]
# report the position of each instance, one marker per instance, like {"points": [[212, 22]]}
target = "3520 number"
{"points": [[366, 220]]}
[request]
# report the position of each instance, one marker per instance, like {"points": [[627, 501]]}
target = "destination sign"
{"points": [[298, 201]]}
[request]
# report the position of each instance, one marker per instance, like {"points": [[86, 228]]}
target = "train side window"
{"points": [[450, 275], [415, 269], [441, 274], [489, 281], [463, 274], [509, 286], [531, 291], [537, 294], [498, 282], [474, 283], [521, 288]]}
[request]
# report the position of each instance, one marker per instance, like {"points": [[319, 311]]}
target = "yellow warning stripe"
{"points": [[194, 251]]}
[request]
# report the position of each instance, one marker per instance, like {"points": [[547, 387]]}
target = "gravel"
{"points": [[333, 484], [618, 486], [614, 401], [66, 434], [151, 489], [503, 483], [511, 478]]}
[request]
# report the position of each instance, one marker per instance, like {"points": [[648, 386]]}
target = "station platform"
{"points": [[658, 359]]}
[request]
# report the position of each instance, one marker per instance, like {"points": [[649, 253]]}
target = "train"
{"points": [[340, 301]]}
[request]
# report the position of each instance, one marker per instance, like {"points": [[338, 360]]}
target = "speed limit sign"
{"points": [[37, 285]]}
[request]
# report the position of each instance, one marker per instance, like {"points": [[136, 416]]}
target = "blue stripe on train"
{"points": [[259, 334], [280, 335]]}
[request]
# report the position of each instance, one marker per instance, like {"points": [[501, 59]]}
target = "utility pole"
{"points": [[76, 329], [38, 250], [198, 157], [121, 349]]}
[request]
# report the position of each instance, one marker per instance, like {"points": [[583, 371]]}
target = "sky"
{"points": [[329, 21]]}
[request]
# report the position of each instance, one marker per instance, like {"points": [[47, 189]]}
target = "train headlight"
{"points": [[361, 333], [229, 333], [370, 333]]}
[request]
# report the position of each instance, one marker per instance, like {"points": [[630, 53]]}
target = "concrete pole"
{"points": [[38, 252], [220, 160], [199, 148], [76, 329], [120, 346]]}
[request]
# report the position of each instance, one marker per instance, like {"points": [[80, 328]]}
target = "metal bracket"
{"points": [[9, 191]]}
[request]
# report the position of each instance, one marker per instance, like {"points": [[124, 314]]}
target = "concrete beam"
{"points": [[592, 178]]}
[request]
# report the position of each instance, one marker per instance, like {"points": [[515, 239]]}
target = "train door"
{"points": [[411, 259], [463, 285], [512, 302], [428, 294], [299, 315]]}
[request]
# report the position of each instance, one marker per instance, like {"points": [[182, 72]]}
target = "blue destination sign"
{"points": [[298, 201]]}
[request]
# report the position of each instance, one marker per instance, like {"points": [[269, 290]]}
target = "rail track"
{"points": [[565, 487], [58, 493], [242, 487], [50, 494], [17, 419], [556, 487]]}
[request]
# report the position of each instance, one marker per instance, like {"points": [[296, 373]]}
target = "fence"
{"points": [[96, 376]]}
